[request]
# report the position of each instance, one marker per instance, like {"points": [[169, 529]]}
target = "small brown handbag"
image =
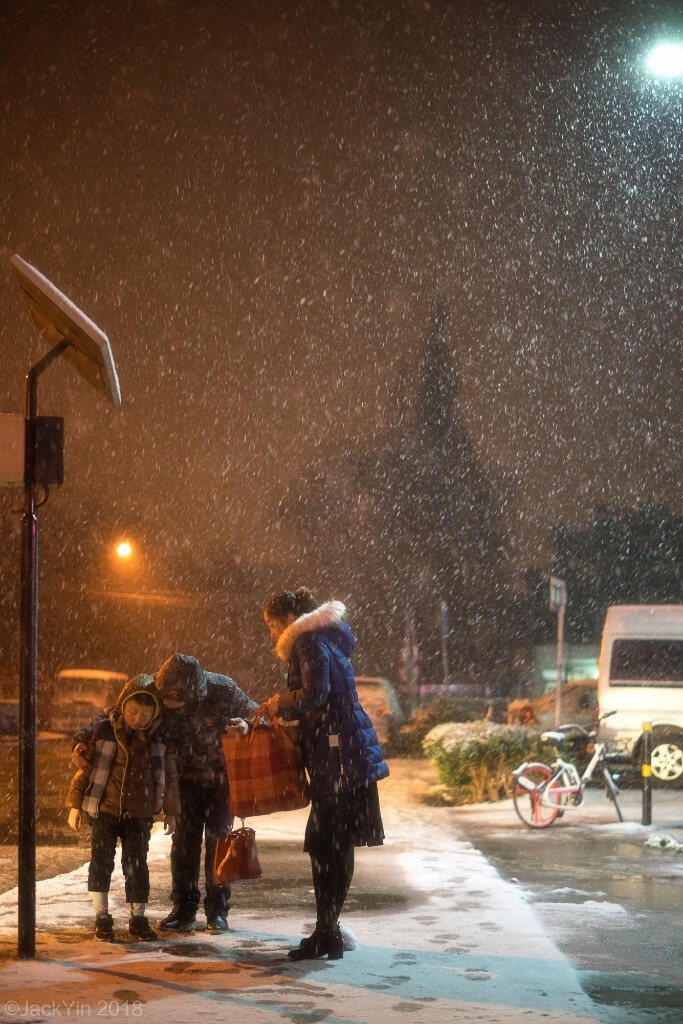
{"points": [[236, 857]]}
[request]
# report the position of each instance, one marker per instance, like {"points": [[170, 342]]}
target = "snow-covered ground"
{"points": [[442, 938]]}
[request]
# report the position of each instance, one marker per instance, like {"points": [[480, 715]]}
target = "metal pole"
{"points": [[28, 692], [410, 666], [409, 659], [445, 668], [560, 658], [646, 772], [28, 672]]}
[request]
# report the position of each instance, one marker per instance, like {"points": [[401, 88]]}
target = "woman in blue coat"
{"points": [[340, 747]]}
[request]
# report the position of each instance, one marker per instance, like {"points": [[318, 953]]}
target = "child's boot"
{"points": [[104, 927], [139, 928]]}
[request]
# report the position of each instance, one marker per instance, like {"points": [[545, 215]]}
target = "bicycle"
{"points": [[542, 793]]}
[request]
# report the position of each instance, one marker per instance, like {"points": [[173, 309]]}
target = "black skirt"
{"points": [[345, 819]]}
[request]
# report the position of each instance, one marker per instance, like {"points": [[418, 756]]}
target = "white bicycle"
{"points": [[542, 793]]}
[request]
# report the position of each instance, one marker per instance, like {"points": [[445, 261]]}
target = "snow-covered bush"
{"points": [[407, 740], [474, 759]]}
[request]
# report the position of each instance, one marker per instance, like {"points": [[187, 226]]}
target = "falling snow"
{"points": [[393, 293]]}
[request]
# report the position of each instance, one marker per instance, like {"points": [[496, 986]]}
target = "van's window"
{"points": [[647, 663]]}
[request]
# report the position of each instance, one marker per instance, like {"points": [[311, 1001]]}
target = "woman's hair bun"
{"points": [[297, 602]]}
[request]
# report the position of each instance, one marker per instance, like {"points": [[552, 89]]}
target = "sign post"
{"points": [[445, 667], [558, 603], [646, 772], [409, 670]]}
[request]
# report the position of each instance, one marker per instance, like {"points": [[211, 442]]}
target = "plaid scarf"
{"points": [[106, 744]]}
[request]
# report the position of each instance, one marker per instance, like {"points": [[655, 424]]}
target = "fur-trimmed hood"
{"points": [[322, 696], [326, 616]]}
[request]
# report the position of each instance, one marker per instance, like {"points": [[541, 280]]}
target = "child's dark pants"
{"points": [[134, 834]]}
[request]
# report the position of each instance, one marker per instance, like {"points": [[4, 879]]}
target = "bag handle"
{"points": [[261, 713]]}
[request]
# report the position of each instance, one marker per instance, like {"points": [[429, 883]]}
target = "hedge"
{"points": [[474, 759]]}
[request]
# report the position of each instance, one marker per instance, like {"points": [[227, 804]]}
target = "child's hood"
{"points": [[138, 684], [181, 677]]}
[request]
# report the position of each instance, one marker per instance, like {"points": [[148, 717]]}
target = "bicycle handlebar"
{"points": [[589, 735], [575, 725]]}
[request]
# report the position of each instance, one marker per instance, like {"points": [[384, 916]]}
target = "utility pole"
{"points": [[558, 603], [72, 335], [445, 666]]}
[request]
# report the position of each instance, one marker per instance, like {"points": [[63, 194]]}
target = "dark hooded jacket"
{"points": [[340, 746], [195, 730], [131, 772]]}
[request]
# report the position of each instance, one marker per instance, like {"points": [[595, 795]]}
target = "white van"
{"points": [[641, 679]]}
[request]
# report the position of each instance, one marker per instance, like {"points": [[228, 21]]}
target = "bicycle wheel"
{"points": [[527, 792]]}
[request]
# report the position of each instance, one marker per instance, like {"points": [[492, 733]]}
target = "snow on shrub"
{"points": [[407, 741], [475, 759]]}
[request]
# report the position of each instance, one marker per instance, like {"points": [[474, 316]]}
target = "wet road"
{"points": [[612, 904]]}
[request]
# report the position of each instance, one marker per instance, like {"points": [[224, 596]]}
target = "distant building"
{"points": [[580, 662]]}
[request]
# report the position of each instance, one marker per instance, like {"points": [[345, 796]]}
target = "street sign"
{"points": [[558, 594], [59, 320]]}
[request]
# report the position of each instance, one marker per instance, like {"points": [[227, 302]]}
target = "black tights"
{"points": [[332, 876]]}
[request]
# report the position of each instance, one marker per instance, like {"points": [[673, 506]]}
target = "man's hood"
{"points": [[181, 677], [327, 619]]}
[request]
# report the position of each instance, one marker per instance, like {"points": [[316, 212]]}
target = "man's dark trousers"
{"points": [[204, 813]]}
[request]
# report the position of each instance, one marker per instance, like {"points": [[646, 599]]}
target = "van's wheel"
{"points": [[667, 757]]}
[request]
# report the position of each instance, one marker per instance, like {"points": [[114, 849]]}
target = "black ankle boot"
{"points": [[320, 943]]}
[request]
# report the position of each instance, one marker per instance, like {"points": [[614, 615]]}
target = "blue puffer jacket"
{"points": [[340, 745]]}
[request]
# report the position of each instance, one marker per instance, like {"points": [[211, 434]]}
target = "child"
{"points": [[129, 777]]}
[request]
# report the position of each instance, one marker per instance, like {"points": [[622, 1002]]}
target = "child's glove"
{"points": [[75, 819]]}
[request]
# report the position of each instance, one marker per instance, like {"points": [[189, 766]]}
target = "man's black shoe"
{"points": [[216, 923], [179, 921]]}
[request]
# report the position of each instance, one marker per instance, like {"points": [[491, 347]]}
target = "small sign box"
{"points": [[12, 444], [558, 594]]}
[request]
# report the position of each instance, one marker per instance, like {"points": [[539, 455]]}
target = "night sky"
{"points": [[260, 204]]}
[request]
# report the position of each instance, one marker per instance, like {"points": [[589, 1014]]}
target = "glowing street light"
{"points": [[666, 60], [124, 549]]}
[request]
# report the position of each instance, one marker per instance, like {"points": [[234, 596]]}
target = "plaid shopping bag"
{"points": [[265, 770]]}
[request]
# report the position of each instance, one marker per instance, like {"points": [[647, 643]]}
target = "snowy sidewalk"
{"points": [[442, 938]]}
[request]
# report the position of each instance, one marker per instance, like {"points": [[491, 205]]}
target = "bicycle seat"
{"points": [[553, 737]]}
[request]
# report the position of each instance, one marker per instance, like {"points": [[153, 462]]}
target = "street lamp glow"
{"points": [[124, 549], [666, 60]]}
